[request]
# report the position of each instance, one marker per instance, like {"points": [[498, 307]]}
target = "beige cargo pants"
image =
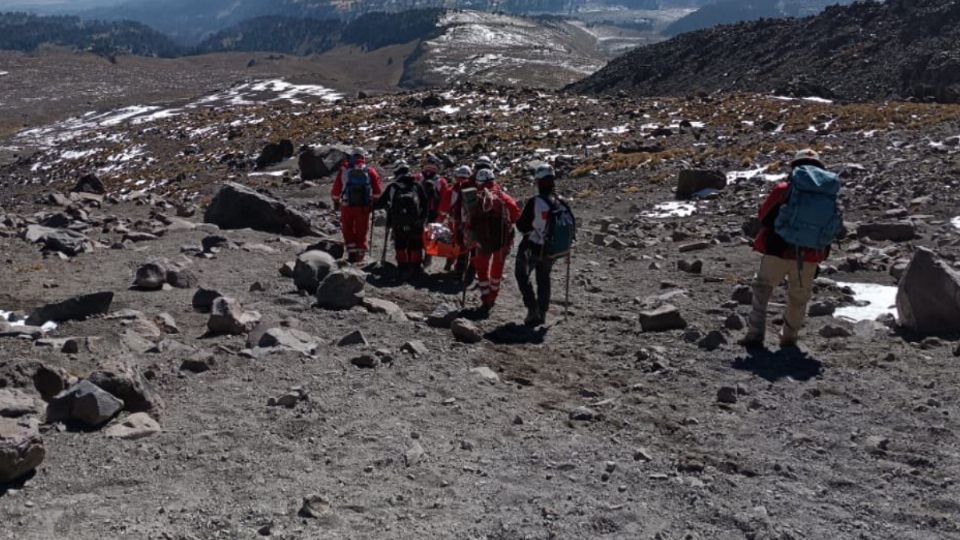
{"points": [[800, 289]]}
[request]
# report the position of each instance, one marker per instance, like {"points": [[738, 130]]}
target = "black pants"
{"points": [[529, 260]]}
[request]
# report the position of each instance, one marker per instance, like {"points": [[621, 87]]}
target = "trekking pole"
{"points": [[373, 221], [386, 240], [463, 282], [566, 301]]}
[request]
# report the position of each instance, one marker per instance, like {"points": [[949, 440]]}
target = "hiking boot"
{"points": [[788, 343], [532, 318]]}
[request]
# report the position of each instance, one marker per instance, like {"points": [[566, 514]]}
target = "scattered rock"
{"points": [[203, 299], [21, 448], [898, 231], [378, 305], [414, 454], [227, 317], [690, 267], [365, 361], [124, 380], [692, 181], [288, 338], [198, 363], [77, 308], [89, 183], [133, 427], [443, 315], [318, 163], [239, 207], [151, 275], [734, 322], [743, 295], [311, 268], [712, 341], [666, 317], [317, 507], [583, 414], [84, 402], [928, 299], [464, 330], [353, 338], [14, 403], [486, 374], [727, 394], [342, 289], [49, 381], [835, 331], [166, 323], [69, 242], [822, 309], [415, 347]]}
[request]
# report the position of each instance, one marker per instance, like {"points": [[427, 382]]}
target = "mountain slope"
{"points": [[864, 51], [734, 11], [24, 32]]}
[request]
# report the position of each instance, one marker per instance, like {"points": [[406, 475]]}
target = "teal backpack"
{"points": [[561, 229], [810, 219]]}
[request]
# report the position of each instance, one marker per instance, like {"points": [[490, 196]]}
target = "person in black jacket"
{"points": [[531, 255], [407, 209]]}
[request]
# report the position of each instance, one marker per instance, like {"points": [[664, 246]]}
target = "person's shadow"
{"points": [[516, 334], [773, 366]]}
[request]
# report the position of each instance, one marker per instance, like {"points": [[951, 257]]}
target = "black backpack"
{"points": [[405, 211]]}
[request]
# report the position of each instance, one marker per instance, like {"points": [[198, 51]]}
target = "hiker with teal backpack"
{"points": [[548, 229], [800, 219]]}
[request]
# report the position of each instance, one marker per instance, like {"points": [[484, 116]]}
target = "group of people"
{"points": [[800, 219], [472, 214]]}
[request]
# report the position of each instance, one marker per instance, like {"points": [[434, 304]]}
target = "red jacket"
{"points": [[769, 242], [376, 185]]}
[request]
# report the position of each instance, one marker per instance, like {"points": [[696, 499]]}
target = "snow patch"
{"points": [[759, 172], [449, 109], [671, 209], [2, 73], [78, 154], [956, 222], [880, 299], [48, 326]]}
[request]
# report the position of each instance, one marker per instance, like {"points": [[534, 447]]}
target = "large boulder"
{"points": [[928, 300], [342, 289], [21, 448], [84, 402], [239, 207], [89, 183], [894, 231], [317, 163], [77, 308], [123, 380], [227, 317], [66, 241], [311, 268], [274, 153], [691, 181]]}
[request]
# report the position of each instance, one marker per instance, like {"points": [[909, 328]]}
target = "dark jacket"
{"points": [[398, 187]]}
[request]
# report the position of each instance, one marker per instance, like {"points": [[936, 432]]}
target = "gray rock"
{"points": [[727, 394], [84, 402], [136, 426], [151, 275], [21, 448], [14, 403], [365, 361], [486, 374], [353, 338], [712, 341], [239, 207], [695, 246], [342, 289], [66, 241], [666, 317], [200, 362], [415, 347], [583, 414], [123, 379], [227, 317], [822, 309], [288, 338], [203, 299], [76, 308], [465, 331], [287, 269], [928, 298], [49, 381], [743, 295], [835, 331], [311, 268], [443, 315], [692, 181], [318, 163], [734, 322], [897, 231], [377, 305], [89, 183], [166, 323], [690, 267], [181, 278], [414, 454]]}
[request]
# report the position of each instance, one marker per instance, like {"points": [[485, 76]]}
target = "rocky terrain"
{"points": [[897, 49], [208, 379]]}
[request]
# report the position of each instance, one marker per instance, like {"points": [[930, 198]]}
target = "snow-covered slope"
{"points": [[487, 47]]}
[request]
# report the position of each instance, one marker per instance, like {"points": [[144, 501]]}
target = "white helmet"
{"points": [[485, 175], [463, 171], [544, 171], [401, 167], [484, 162]]}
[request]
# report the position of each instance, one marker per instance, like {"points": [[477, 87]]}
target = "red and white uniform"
{"points": [[489, 266], [355, 220]]}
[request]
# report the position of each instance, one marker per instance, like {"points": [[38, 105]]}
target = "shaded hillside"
{"points": [[734, 11], [24, 32], [304, 36], [864, 51]]}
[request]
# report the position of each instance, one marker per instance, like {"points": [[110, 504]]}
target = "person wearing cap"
{"points": [[406, 205], [489, 264], [782, 260], [354, 192], [531, 255], [434, 185], [452, 212]]}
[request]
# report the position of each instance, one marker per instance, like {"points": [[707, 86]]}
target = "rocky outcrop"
{"points": [[77, 308], [317, 163], [21, 448], [928, 299], [239, 207]]}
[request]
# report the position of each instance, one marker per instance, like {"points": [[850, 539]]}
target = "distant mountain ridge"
{"points": [[863, 51], [25, 32], [734, 11]]}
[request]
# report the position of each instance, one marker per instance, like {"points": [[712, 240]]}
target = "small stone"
{"points": [[414, 454], [712, 341], [641, 454], [583, 414], [135, 426], [727, 394], [227, 317], [443, 315], [465, 331], [734, 322], [822, 309], [486, 374], [690, 267], [198, 363], [835, 331], [84, 402], [743, 295], [166, 323], [666, 317], [415, 347], [365, 361], [353, 338]]}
